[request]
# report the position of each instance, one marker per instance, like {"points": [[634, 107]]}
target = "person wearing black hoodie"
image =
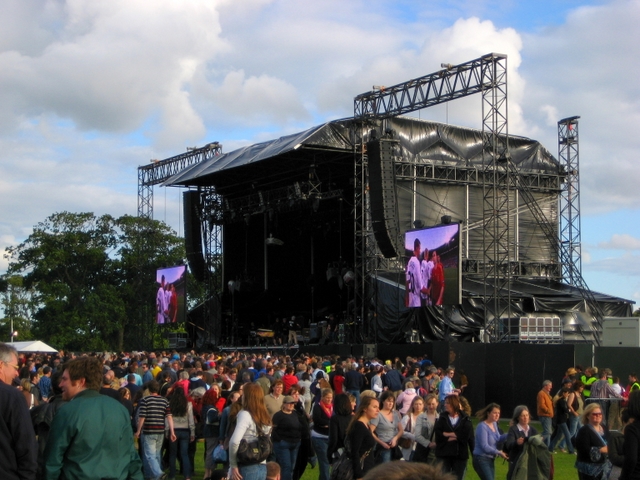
{"points": [[454, 437]]}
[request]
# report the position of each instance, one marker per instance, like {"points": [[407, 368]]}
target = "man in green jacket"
{"points": [[91, 436]]}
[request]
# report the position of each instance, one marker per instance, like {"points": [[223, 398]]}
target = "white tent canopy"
{"points": [[33, 346]]}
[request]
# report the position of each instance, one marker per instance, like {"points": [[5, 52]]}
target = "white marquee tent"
{"points": [[33, 346]]}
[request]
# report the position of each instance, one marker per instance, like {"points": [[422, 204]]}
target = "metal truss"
{"points": [[161, 170], [570, 237], [455, 81], [486, 75], [461, 175], [291, 197], [211, 225], [497, 190]]}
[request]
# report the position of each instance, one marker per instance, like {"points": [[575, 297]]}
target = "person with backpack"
{"points": [[212, 406]]}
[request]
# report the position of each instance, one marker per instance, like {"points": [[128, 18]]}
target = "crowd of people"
{"points": [[273, 417]]}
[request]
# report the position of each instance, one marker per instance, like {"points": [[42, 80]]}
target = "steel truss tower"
{"points": [[486, 75], [570, 239], [210, 221]]}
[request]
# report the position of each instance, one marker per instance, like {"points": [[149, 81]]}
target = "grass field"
{"points": [[563, 463]]}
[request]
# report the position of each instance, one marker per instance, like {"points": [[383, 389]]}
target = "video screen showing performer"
{"points": [[432, 276], [171, 294]]}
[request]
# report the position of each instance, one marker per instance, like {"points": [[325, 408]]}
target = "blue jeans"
{"points": [[454, 465], [286, 454], [383, 455], [547, 429], [563, 432], [182, 442], [321, 445], [253, 472], [152, 449], [485, 467], [574, 424]]}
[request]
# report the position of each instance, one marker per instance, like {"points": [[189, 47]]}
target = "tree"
{"points": [[18, 305], [92, 275]]}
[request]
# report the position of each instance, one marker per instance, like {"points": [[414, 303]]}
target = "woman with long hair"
{"points": [[212, 407], [386, 427], [359, 439], [321, 415], [185, 430], [409, 422], [252, 418], [591, 444], [454, 437], [576, 406], [519, 433], [342, 414], [424, 430], [488, 436], [25, 386]]}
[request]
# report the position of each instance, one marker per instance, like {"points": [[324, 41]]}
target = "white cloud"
{"points": [[621, 242], [588, 67]]}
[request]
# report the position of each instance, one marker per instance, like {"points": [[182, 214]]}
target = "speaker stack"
{"points": [[382, 194], [192, 234]]}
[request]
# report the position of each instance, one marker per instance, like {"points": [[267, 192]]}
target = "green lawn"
{"points": [[563, 463]]}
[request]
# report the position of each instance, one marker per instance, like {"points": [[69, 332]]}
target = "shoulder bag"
{"points": [[255, 451], [342, 468]]}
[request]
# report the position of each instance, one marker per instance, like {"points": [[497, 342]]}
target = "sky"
{"points": [[90, 90]]}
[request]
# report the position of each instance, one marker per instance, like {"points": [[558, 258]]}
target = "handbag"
{"points": [[255, 451], [406, 442], [220, 454], [342, 468]]}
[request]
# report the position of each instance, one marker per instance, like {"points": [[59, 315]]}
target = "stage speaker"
{"points": [[382, 194], [370, 350], [192, 234], [177, 340]]}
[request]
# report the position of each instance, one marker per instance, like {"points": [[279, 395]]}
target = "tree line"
{"points": [[87, 283]]}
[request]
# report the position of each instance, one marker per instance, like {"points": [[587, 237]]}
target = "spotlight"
{"points": [[418, 224], [445, 219]]}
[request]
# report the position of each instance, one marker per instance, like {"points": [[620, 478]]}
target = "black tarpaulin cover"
{"points": [[421, 140], [530, 297]]}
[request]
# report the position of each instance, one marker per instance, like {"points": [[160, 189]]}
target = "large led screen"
{"points": [[433, 274], [171, 296]]}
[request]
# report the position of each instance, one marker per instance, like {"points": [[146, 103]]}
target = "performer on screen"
{"points": [[173, 304], [437, 280], [161, 302], [414, 285], [426, 267]]}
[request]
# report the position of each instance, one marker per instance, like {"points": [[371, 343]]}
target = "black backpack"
{"points": [[213, 417]]}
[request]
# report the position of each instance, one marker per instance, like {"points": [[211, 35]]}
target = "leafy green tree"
{"points": [[18, 306], [92, 277]]}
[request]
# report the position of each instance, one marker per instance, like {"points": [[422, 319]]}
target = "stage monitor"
{"points": [[171, 297], [435, 278]]}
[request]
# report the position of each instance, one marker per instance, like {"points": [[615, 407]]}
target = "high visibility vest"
{"points": [[587, 385]]}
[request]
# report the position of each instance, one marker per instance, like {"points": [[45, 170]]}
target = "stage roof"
{"points": [[421, 141]]}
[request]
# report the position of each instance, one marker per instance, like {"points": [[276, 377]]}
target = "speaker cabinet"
{"points": [[193, 235], [382, 194]]}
